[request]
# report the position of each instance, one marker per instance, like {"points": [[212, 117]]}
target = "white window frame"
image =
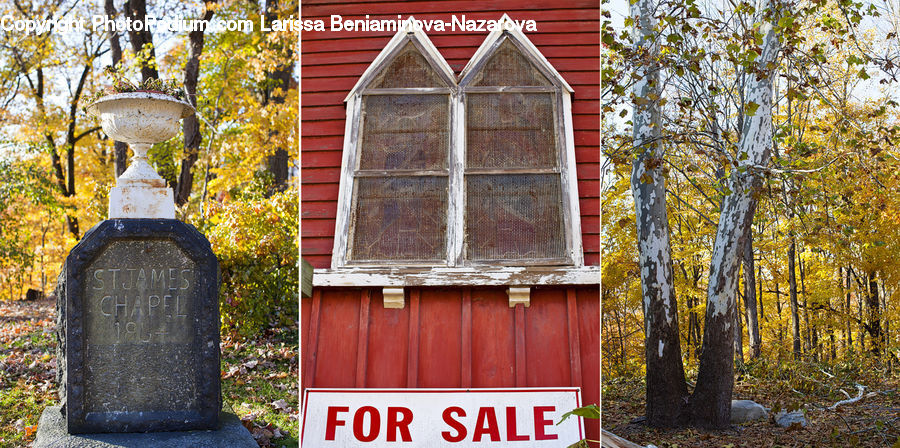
{"points": [[455, 269]]}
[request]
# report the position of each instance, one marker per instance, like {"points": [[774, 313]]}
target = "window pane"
{"points": [[508, 67], [514, 217], [405, 132], [400, 218], [510, 130], [408, 69]]}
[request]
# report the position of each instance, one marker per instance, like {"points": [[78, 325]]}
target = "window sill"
{"points": [[467, 276]]}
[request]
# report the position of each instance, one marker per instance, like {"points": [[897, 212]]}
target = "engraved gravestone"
{"points": [[142, 329], [138, 312]]}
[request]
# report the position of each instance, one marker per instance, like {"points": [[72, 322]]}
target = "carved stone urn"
{"points": [[140, 119]]}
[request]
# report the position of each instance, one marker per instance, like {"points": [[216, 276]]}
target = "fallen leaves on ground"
{"points": [[873, 421]]}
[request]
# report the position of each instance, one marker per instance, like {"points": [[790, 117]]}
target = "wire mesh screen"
{"points": [[514, 217], [408, 69], [405, 132], [508, 67], [400, 218], [510, 130]]}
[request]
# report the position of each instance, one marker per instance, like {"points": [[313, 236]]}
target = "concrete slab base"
{"points": [[51, 433]]}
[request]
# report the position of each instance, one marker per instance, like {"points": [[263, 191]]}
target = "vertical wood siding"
{"points": [[568, 35], [454, 337]]}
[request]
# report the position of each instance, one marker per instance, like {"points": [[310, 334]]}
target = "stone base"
{"points": [[51, 433], [141, 201]]}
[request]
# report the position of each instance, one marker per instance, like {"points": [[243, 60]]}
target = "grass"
{"points": [[259, 377]]}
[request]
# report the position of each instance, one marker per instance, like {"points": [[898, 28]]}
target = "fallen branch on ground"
{"points": [[858, 397], [610, 440]]}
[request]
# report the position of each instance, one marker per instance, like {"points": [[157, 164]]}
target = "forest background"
{"points": [[232, 169], [809, 280]]}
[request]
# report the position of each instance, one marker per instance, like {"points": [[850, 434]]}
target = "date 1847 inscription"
{"points": [[140, 328], [143, 304]]}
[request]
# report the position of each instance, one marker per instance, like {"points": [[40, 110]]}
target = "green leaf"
{"points": [[750, 109], [862, 74], [589, 411], [674, 38]]}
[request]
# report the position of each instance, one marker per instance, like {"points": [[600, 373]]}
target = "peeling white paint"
{"points": [[486, 276]]}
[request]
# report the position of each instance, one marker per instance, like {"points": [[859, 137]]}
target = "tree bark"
{"points": [[121, 148], [792, 281], [750, 296], [141, 39], [277, 83], [874, 321], [711, 401], [666, 388], [191, 125]]}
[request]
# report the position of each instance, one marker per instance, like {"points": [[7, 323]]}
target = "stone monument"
{"points": [[138, 311]]}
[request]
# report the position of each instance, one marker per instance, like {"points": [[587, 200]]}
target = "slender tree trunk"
{"points": [[739, 332], [665, 379], [808, 340], [142, 39], [792, 280], [750, 296], [115, 47], [848, 338], [278, 82], [711, 401], [191, 125], [874, 322]]}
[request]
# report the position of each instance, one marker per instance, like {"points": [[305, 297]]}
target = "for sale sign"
{"points": [[523, 417]]}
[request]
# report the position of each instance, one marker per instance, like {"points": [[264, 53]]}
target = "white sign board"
{"points": [[524, 417]]}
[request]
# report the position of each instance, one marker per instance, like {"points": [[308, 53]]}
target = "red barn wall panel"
{"points": [[423, 344], [568, 34], [337, 339], [388, 344], [440, 330], [546, 339], [493, 339]]}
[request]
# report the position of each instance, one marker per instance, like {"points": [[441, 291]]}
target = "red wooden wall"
{"points": [[454, 337], [446, 337], [568, 34]]}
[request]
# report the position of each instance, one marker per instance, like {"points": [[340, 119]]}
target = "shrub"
{"points": [[255, 239]]}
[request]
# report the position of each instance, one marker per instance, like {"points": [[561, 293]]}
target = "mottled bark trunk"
{"points": [[711, 401], [750, 295], [666, 388], [792, 281]]}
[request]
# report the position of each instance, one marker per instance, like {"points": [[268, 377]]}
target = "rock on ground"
{"points": [[743, 411], [786, 419]]}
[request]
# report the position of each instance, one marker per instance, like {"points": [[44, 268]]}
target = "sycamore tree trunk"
{"points": [[666, 388], [711, 401]]}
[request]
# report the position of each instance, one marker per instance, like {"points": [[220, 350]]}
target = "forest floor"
{"points": [[873, 421], [259, 377]]}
